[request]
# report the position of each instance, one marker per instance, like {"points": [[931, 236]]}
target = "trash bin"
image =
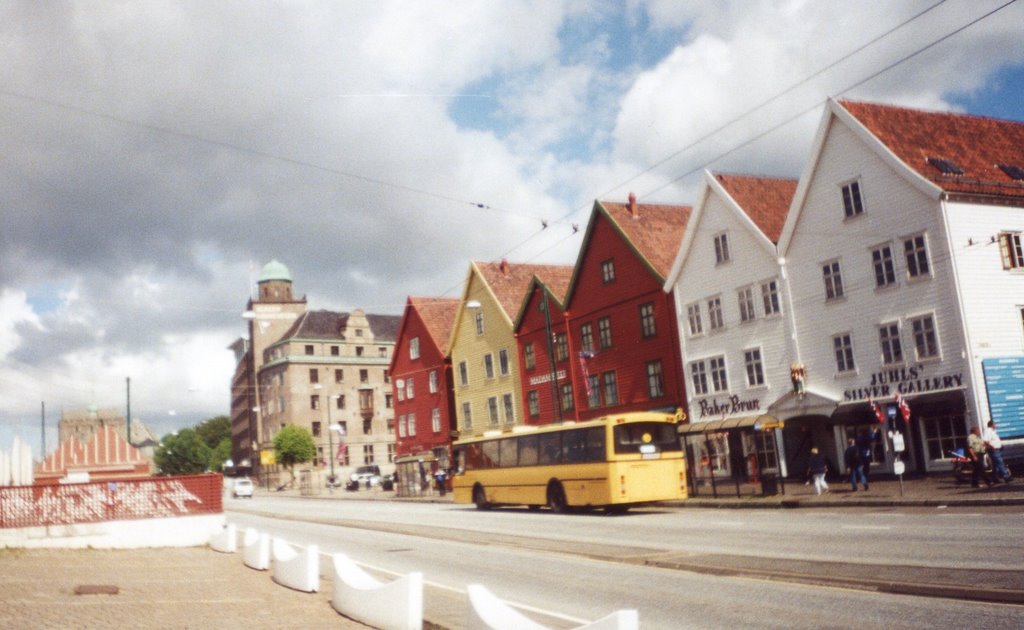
{"points": [[769, 485]]}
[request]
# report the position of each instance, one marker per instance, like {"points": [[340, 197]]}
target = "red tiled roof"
{"points": [[438, 315], [511, 281], [655, 232], [765, 199], [973, 143]]}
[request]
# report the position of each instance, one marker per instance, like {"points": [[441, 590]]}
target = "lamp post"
{"points": [[331, 428]]}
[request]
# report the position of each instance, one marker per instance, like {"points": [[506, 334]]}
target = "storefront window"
{"points": [[943, 434]]}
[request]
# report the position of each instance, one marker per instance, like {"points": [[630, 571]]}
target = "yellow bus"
{"points": [[611, 462]]}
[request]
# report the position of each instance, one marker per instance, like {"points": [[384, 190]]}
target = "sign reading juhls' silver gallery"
{"points": [[903, 380]]}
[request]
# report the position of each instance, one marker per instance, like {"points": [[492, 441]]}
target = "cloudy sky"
{"points": [[154, 155]]}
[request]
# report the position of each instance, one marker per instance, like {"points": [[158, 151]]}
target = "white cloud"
{"points": [[15, 311]]}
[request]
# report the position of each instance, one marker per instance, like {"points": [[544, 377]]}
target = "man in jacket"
{"points": [[994, 447], [854, 466]]}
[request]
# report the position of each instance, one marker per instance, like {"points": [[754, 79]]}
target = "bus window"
{"points": [[594, 445], [460, 461], [472, 457], [550, 448], [507, 449], [528, 450], [490, 454], [630, 437]]}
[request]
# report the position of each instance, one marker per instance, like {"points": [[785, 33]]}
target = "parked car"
{"points": [[242, 488], [367, 475]]}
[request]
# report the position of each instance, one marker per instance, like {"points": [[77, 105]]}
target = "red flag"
{"points": [[901, 402], [342, 449], [584, 356], [879, 414]]}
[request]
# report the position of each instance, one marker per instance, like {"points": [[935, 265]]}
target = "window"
{"points": [[391, 453], [770, 298], [409, 389], [1012, 171], [467, 416], [853, 205], [561, 347], [388, 403], [721, 248], [314, 375], [509, 409], [400, 388], [359, 351], [339, 401], [885, 273], [412, 425], [916, 252], [925, 340], [946, 167], [833, 280], [647, 325], [611, 388], [316, 429], [382, 352], [604, 332], [587, 338], [309, 351], [715, 318], [655, 380], [339, 376], [843, 347], [699, 378], [335, 351], [1010, 250], [314, 401], [567, 398], [432, 381], [435, 420], [529, 359], [401, 426], [367, 426], [745, 298], [367, 453], [364, 376], [503, 362], [889, 338], [608, 271], [414, 348], [593, 391], [479, 319], [693, 316], [492, 409], [366, 400], [463, 373], [755, 369], [719, 382], [533, 403], [489, 365], [359, 332], [943, 434]]}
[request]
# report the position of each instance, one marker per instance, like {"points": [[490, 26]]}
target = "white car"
{"points": [[242, 488]]}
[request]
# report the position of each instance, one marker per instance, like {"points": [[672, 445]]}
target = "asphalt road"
{"points": [[683, 568]]}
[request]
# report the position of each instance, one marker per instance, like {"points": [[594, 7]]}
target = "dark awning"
{"points": [[757, 423]]}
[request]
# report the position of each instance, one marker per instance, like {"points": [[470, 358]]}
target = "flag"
{"points": [[342, 449], [901, 402], [879, 414], [584, 356]]}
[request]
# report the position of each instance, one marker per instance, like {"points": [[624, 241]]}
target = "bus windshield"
{"points": [[646, 437]]}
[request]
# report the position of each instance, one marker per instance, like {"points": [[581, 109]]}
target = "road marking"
{"points": [[872, 527]]}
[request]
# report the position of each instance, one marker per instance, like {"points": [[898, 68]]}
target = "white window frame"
{"points": [[432, 381], [414, 348], [883, 264], [435, 420], [853, 199], [916, 257], [696, 325], [931, 336], [745, 301], [488, 365], [716, 319], [1011, 252], [719, 374], [721, 243], [770, 298], [832, 276], [503, 363], [754, 364], [890, 343], [845, 363]]}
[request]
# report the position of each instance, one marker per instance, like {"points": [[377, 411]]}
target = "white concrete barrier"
{"points": [[225, 539], [256, 550], [487, 612], [395, 605], [294, 569]]}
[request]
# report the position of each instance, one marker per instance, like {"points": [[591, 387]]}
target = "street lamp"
{"points": [[331, 428]]}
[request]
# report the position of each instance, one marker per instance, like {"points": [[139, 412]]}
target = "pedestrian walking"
{"points": [[440, 478], [854, 465], [866, 440], [994, 448], [976, 451], [817, 469]]}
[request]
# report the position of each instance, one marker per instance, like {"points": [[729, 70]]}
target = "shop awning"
{"points": [[757, 423]]}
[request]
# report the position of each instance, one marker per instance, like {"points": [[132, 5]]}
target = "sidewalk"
{"points": [[922, 491], [192, 587]]}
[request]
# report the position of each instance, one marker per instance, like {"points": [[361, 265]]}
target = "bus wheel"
{"points": [[616, 509], [480, 498], [556, 498]]}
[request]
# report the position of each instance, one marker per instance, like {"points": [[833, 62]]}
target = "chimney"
{"points": [[633, 212], [504, 267]]}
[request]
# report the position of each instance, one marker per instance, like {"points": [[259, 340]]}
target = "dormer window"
{"points": [[721, 248], [946, 167]]}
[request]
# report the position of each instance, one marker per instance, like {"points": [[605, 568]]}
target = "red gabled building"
{"points": [[421, 377], [623, 334], [540, 328]]}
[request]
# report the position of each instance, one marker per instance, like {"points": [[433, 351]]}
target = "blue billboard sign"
{"points": [[1004, 380]]}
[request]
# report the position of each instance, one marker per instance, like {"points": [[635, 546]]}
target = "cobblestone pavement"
{"points": [[193, 587]]}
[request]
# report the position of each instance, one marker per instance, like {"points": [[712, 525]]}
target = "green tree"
{"points": [[293, 445], [215, 430], [220, 455], [182, 453]]}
